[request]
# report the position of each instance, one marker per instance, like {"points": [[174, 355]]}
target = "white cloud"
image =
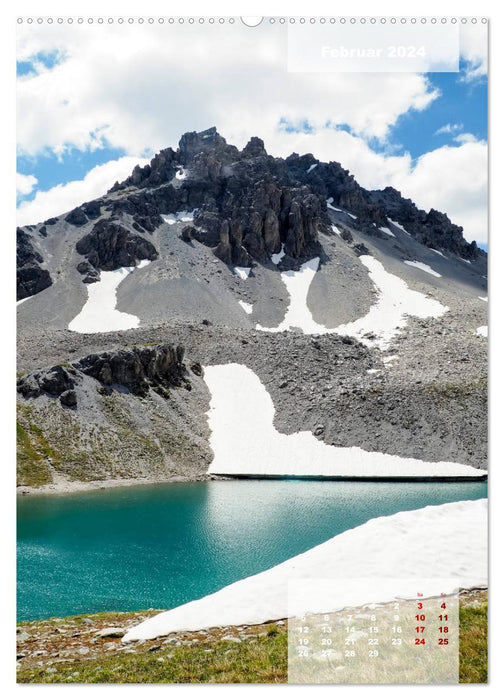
{"points": [[448, 129], [465, 138], [63, 198], [25, 183], [145, 85], [474, 49]]}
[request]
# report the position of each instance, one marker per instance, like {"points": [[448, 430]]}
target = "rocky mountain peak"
{"points": [[246, 205]]}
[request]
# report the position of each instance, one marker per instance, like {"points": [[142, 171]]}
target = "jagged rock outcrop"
{"points": [[76, 217], [110, 246], [137, 369], [433, 229], [31, 276], [248, 203], [55, 381]]}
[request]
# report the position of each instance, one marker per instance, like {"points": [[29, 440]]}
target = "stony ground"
{"points": [[89, 649], [427, 400]]}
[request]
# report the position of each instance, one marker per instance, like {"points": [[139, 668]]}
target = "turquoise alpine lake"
{"points": [[162, 545]]}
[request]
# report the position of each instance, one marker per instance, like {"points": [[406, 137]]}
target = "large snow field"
{"points": [[388, 555], [245, 442], [99, 313]]}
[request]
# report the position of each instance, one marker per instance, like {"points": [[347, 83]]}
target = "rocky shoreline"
{"points": [[63, 486]]}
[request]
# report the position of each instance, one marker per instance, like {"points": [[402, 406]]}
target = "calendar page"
{"points": [[252, 328], [413, 638]]}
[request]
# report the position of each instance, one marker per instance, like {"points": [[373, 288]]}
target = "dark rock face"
{"points": [[110, 246], [247, 202], [54, 381], [433, 229], [91, 274], [138, 369], [31, 277], [77, 217]]}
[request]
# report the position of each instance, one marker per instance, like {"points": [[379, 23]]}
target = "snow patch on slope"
{"points": [[246, 307], [298, 314], [184, 216], [385, 318], [276, 257], [386, 230], [398, 225], [389, 549], [235, 422], [422, 266], [330, 206], [242, 272], [99, 313]]}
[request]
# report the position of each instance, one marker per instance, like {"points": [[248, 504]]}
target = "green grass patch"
{"points": [[32, 467], [473, 644], [261, 659]]}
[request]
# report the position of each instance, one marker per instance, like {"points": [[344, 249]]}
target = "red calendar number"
{"points": [[443, 630], [443, 641], [419, 641], [421, 618]]}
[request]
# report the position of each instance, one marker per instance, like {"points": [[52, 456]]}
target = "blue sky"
{"points": [[460, 103], [89, 128]]}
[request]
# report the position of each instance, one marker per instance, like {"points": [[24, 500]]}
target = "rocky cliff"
{"points": [[31, 276]]}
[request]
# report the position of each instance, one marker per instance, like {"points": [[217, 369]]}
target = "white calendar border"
{"points": [[7, 351]]}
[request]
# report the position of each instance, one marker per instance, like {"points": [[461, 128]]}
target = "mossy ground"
{"points": [[256, 654], [34, 454]]}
